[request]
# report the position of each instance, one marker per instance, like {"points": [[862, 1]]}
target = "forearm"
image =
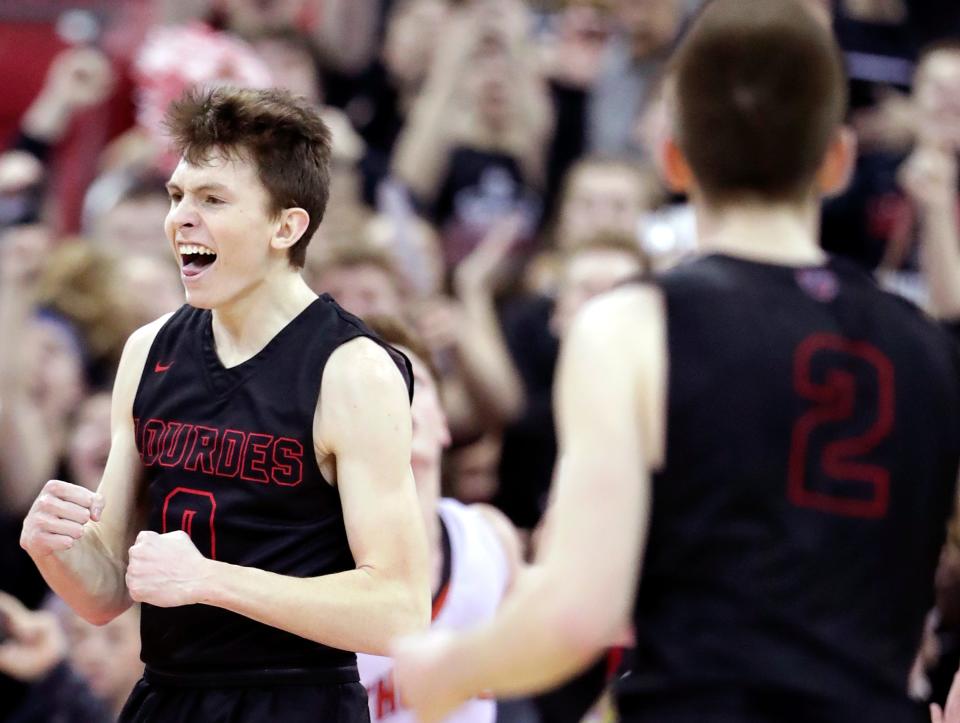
{"points": [[534, 632], [422, 148], [46, 119], [354, 610], [489, 371], [27, 456], [88, 577], [940, 227]]}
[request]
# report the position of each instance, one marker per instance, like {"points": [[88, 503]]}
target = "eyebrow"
{"points": [[215, 187]]}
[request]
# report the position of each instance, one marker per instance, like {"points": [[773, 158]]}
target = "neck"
{"points": [[244, 325], [786, 234]]}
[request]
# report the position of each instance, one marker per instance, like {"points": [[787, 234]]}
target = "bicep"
{"points": [[365, 423], [601, 504]]}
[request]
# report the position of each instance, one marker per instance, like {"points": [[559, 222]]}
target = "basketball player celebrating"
{"points": [[474, 550], [269, 432], [772, 436]]}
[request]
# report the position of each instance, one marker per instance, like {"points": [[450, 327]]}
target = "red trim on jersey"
{"points": [[439, 601]]}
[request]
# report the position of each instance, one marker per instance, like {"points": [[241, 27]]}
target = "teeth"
{"points": [[194, 249]]}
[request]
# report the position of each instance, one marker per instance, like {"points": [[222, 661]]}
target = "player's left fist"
{"points": [[165, 570], [426, 677]]}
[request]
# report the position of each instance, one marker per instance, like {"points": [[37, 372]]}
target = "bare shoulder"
{"points": [[140, 341], [361, 366], [624, 309], [129, 371], [621, 339], [362, 393], [136, 349]]}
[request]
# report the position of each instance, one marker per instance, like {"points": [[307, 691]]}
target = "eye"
{"points": [[214, 201], [175, 197]]}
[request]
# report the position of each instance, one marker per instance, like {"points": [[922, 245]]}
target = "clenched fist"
{"points": [[58, 517], [166, 570], [425, 678]]}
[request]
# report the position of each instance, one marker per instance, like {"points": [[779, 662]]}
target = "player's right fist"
{"points": [[57, 518]]}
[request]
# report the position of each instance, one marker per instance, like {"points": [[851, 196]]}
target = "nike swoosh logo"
{"points": [[162, 367]]}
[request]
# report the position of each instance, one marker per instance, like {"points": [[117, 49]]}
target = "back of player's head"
{"points": [[760, 91], [282, 136]]}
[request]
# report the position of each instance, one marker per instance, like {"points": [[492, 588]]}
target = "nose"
{"points": [[182, 214]]}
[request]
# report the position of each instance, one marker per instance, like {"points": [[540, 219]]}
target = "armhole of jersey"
{"points": [[151, 355]]}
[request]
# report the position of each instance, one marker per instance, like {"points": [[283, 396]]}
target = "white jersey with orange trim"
{"points": [[479, 574]]}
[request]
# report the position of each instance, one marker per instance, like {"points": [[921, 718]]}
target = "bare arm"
{"points": [[575, 601], [79, 539], [364, 421], [488, 369], [930, 177], [438, 114], [78, 78], [28, 454]]}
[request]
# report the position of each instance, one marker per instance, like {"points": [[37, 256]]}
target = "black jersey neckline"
{"points": [[223, 379]]}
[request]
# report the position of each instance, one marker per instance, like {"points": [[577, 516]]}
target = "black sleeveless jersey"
{"points": [[228, 457], [813, 438]]}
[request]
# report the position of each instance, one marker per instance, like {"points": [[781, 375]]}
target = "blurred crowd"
{"points": [[494, 168]]}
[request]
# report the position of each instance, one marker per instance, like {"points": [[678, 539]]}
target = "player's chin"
{"points": [[199, 299]]}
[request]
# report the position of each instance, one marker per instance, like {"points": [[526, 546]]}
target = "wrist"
{"points": [[209, 588], [47, 118], [938, 204]]}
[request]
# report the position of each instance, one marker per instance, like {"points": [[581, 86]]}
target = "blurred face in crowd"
{"points": [[361, 289], [250, 16], [133, 226], [219, 227], [937, 96], [107, 657], [601, 198], [291, 67], [53, 358], [150, 288], [474, 470], [411, 39], [587, 274], [89, 442], [651, 25], [430, 431]]}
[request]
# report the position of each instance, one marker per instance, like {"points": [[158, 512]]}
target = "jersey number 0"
{"points": [[192, 511]]}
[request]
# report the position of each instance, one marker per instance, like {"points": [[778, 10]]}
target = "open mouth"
{"points": [[195, 259]]}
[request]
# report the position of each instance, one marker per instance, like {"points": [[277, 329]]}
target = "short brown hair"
{"points": [[283, 136], [760, 90]]}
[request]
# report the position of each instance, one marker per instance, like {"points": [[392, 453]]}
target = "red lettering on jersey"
{"points": [[385, 693], [231, 453], [174, 443], [202, 450], [254, 457], [150, 445], [287, 467]]}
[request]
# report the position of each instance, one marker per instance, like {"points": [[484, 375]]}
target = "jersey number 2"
{"points": [[192, 511], [847, 381]]}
